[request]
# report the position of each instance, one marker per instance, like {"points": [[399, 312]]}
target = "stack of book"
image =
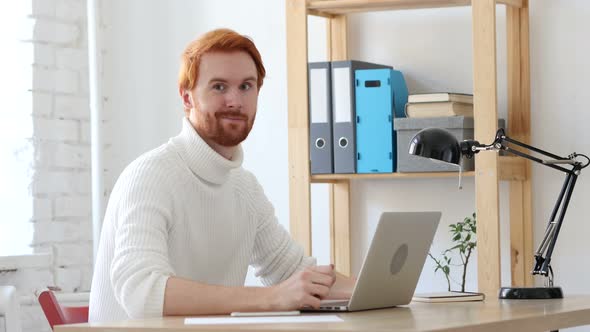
{"points": [[432, 105]]}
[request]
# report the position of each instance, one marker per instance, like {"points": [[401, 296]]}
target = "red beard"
{"points": [[232, 133]]}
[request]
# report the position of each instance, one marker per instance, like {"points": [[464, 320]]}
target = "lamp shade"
{"points": [[437, 144]]}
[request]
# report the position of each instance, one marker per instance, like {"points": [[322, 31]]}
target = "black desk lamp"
{"points": [[441, 145]]}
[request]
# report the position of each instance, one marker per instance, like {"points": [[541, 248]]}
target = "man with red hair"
{"points": [[184, 221]]}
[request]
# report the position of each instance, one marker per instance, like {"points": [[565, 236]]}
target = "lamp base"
{"points": [[530, 293]]}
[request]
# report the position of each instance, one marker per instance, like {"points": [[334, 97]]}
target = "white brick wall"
{"points": [[32, 273], [55, 130], [42, 104], [55, 233], [61, 170], [28, 280], [33, 319], [71, 107], [85, 132], [73, 206], [55, 80], [54, 32], [59, 183], [42, 208], [44, 54], [71, 58]]}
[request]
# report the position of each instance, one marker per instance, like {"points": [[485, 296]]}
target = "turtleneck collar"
{"points": [[202, 160]]}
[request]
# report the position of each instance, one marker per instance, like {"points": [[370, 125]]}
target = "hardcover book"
{"points": [[438, 109], [448, 297], [439, 97]]}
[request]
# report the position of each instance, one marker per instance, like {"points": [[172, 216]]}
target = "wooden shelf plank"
{"points": [[329, 178], [511, 169], [339, 7]]}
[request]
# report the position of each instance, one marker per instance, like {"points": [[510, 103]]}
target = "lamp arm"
{"points": [[500, 144], [470, 147], [502, 139], [543, 264], [501, 136]]}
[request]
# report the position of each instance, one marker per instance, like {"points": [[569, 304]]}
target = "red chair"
{"points": [[58, 315]]}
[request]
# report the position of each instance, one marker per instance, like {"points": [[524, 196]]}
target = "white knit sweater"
{"points": [[184, 210]]}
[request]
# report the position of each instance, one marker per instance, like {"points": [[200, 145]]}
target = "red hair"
{"points": [[224, 40]]}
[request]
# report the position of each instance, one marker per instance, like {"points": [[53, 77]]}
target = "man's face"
{"points": [[223, 102]]}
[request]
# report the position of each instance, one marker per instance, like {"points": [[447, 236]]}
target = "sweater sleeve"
{"points": [[276, 256], [140, 267]]}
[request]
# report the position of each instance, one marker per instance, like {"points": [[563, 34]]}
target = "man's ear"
{"points": [[187, 101]]}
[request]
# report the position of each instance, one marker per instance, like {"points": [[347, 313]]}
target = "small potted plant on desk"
{"points": [[464, 242]]}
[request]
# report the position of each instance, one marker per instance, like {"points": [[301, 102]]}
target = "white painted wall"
{"points": [[559, 94], [433, 49]]}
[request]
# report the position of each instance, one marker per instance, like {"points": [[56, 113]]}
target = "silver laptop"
{"points": [[393, 263]]}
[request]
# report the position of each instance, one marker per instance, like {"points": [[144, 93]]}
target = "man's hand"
{"points": [[342, 288], [304, 288]]}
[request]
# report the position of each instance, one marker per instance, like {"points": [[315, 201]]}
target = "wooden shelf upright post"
{"points": [[337, 35], [299, 168], [519, 122], [486, 164]]}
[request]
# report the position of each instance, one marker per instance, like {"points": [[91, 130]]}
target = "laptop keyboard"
{"points": [[334, 303]]}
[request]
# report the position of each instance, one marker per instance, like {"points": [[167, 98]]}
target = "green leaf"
{"points": [[468, 237], [455, 247], [446, 270], [457, 237]]}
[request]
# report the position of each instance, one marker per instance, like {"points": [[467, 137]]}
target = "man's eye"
{"points": [[245, 86], [219, 87]]}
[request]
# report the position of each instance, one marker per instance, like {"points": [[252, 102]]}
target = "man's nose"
{"points": [[233, 99]]}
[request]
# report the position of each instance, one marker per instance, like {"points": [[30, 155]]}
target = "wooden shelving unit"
{"points": [[490, 168]]}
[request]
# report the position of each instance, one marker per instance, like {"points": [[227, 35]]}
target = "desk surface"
{"points": [[490, 315]]}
